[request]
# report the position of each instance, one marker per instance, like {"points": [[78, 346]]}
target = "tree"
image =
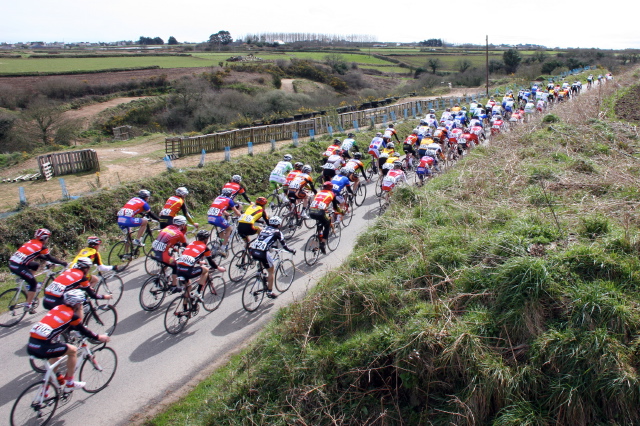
{"points": [[463, 65], [44, 120], [172, 41], [337, 63], [221, 38], [432, 42], [511, 59], [434, 64], [148, 40]]}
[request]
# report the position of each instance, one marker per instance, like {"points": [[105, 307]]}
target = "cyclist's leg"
{"points": [[25, 272]]}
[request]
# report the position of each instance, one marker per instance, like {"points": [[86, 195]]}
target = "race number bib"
{"points": [[126, 212], [159, 245], [319, 204], [259, 245], [18, 257], [187, 260], [213, 211], [42, 330], [56, 289], [165, 212]]}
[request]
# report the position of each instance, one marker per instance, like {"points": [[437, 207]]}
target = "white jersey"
{"points": [[347, 144], [336, 160], [529, 107], [280, 172]]}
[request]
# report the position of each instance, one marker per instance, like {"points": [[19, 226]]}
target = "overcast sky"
{"points": [[551, 23]]}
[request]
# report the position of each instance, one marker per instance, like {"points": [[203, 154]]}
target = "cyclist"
{"points": [[297, 169], [71, 279], [44, 342], [190, 264], [174, 204], [385, 154], [336, 144], [390, 132], [394, 177], [434, 150], [388, 165], [348, 144], [328, 171], [424, 167], [259, 250], [278, 175], [237, 188], [340, 182], [298, 189], [336, 159], [377, 143], [172, 235], [247, 222], [319, 212], [407, 146], [218, 216], [136, 205], [92, 252], [23, 262], [354, 165]]}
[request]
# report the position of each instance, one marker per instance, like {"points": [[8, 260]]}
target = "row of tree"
{"points": [[156, 41], [300, 37]]}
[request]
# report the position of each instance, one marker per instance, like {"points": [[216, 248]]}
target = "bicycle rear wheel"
{"points": [[28, 410], [148, 239], [348, 215], [12, 307], [120, 255], [285, 274], [312, 250], [239, 265], [152, 266], [98, 370], [361, 194], [152, 293], [112, 285], [253, 294], [102, 319], [289, 226], [334, 237], [176, 316], [213, 293], [379, 188]]}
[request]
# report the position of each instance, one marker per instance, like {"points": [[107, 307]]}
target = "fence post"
{"points": [[330, 130], [405, 113], [413, 112], [355, 126], [373, 123], [167, 161], [273, 145], [312, 134], [227, 153], [65, 193], [385, 119], [420, 107], [23, 198], [201, 164], [250, 146], [393, 116], [294, 135]]}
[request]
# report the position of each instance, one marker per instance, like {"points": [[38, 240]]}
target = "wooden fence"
{"points": [[65, 163], [314, 126]]}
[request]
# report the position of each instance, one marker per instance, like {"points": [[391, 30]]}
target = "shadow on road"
{"points": [[241, 319], [158, 344]]}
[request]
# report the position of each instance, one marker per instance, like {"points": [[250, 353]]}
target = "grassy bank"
{"points": [[504, 292]]}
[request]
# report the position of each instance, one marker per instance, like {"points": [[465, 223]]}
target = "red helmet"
{"points": [[94, 241], [327, 185], [261, 201], [42, 234]]}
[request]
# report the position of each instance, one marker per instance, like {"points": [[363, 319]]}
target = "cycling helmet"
{"points": [[306, 169], [351, 135], [414, 131], [83, 262], [236, 178], [180, 220], [144, 194], [182, 191], [261, 201], [337, 141], [298, 165], [357, 155], [384, 155], [397, 164], [226, 192], [327, 185], [93, 241], [329, 166], [432, 111], [203, 235], [275, 221], [345, 171], [42, 234], [391, 145], [379, 134], [390, 125], [464, 108], [287, 157], [448, 109], [74, 297]]}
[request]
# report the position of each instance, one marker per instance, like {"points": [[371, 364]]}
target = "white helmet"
{"points": [[73, 297], [182, 191], [180, 220], [83, 262], [306, 169], [275, 221], [287, 157]]}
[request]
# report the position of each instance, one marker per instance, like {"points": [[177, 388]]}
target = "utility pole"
{"points": [[487, 65]]}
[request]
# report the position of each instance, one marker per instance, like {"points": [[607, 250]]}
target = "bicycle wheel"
{"points": [[152, 293], [334, 237], [252, 294], [152, 266], [348, 214], [274, 205], [176, 316], [384, 203], [289, 226], [148, 239], [236, 243], [312, 250], [285, 274], [361, 194], [12, 307], [112, 285], [30, 410], [120, 255], [379, 188], [98, 370], [213, 293], [102, 319], [239, 265]]}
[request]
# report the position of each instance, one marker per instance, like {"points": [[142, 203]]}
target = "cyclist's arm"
{"points": [[52, 259], [211, 262], [152, 215], [76, 324], [185, 212], [280, 238], [91, 292]]}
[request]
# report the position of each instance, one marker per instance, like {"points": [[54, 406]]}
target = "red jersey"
{"points": [[330, 150], [291, 176], [354, 164], [426, 161], [69, 280], [411, 139], [322, 200], [29, 251], [300, 182], [172, 206], [194, 253], [55, 322], [235, 187], [220, 205], [167, 238], [133, 207]]}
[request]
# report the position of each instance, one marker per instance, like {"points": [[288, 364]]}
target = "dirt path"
{"points": [[85, 114], [287, 85]]}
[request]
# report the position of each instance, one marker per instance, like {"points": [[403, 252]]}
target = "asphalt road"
{"points": [[153, 365]]}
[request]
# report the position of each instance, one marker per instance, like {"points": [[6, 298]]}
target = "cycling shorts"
{"points": [[296, 195], [188, 272], [164, 258], [165, 221], [219, 221], [246, 229], [408, 149], [129, 222], [43, 349], [50, 302], [24, 272], [263, 256], [374, 152], [423, 171]]}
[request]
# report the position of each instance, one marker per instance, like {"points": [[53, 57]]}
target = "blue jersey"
{"points": [[339, 182]]}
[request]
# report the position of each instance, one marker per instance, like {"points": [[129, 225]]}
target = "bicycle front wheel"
{"points": [[348, 215], [239, 265], [176, 316], [148, 239], [35, 405], [289, 226], [12, 307], [213, 293], [152, 293], [285, 274], [252, 294], [312, 250], [102, 319], [379, 188], [98, 370], [334, 237], [112, 285], [361, 194], [120, 255], [152, 266]]}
